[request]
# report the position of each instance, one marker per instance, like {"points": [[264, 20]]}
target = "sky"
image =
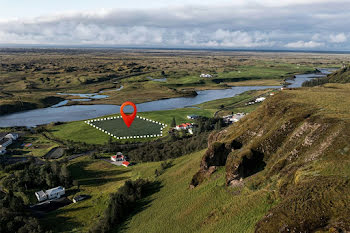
{"points": [[239, 24]]}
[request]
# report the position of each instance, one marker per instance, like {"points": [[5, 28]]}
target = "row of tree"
{"points": [[167, 149], [32, 176], [14, 217], [122, 204]]}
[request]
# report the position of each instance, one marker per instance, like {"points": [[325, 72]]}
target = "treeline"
{"points": [[14, 217], [30, 175], [163, 150], [122, 204], [316, 82]]}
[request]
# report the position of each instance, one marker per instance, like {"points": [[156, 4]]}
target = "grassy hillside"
{"points": [[283, 168], [340, 76], [296, 147]]}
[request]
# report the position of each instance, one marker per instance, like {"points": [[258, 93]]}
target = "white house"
{"points": [[192, 117], [41, 195], [50, 193], [205, 76], [5, 142], [13, 136], [184, 126], [2, 151], [118, 157], [260, 99], [233, 118]]}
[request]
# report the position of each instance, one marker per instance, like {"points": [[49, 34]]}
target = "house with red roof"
{"points": [[184, 126], [126, 164], [118, 157]]}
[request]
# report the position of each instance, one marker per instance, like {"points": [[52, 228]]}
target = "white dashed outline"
{"points": [[127, 137]]}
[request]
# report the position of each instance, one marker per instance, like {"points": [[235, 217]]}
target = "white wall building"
{"points": [[13, 136], [206, 76], [50, 193]]}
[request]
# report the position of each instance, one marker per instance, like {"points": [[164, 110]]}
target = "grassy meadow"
{"points": [[139, 127], [209, 208]]}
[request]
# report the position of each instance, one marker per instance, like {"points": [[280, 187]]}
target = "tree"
{"points": [[173, 122], [77, 184]]}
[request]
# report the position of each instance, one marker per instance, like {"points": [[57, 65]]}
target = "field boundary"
{"points": [[127, 137]]}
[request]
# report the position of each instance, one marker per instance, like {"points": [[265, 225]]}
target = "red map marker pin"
{"points": [[128, 119]]}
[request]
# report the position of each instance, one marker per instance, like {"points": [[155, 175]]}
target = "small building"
{"points": [[80, 198], [55, 192], [205, 76], [126, 164], [50, 193], [184, 126], [118, 157], [2, 151], [260, 99], [41, 195], [192, 117], [5, 142], [229, 119], [13, 136]]}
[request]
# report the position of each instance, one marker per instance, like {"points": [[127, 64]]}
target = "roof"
{"points": [[2, 135], [40, 193], [125, 163], [54, 190], [3, 141]]}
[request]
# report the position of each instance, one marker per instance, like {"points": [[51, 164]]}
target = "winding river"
{"points": [[61, 113]]}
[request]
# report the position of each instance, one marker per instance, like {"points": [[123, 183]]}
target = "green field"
{"points": [[139, 127], [81, 132]]}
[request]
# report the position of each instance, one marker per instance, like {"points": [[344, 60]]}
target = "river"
{"points": [[83, 112]]}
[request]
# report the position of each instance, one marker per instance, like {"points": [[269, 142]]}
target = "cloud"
{"points": [[252, 24], [304, 44], [339, 38]]}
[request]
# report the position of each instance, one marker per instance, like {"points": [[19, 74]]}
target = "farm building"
{"points": [[260, 99], [192, 117], [184, 126], [6, 139], [50, 193], [118, 157], [229, 119], [13, 136], [205, 76], [5, 142]]}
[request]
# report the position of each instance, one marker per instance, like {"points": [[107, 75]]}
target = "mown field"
{"points": [[81, 132], [139, 127]]}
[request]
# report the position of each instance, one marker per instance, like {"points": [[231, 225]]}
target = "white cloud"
{"points": [[304, 44], [252, 24], [339, 38]]}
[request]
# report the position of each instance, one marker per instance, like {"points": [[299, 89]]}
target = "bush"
{"points": [[121, 205]]}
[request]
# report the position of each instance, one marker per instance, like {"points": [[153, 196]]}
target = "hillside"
{"points": [[340, 76], [296, 148]]}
